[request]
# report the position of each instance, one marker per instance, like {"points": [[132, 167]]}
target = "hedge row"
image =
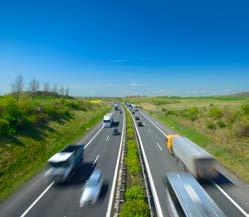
{"points": [[135, 204]]}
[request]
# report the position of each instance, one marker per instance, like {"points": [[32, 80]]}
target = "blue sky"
{"points": [[119, 48]]}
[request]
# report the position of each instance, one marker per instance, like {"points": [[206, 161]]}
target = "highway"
{"points": [[223, 191], [38, 198]]}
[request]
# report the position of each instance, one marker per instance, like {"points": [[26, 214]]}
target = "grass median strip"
{"points": [[135, 202], [20, 162]]}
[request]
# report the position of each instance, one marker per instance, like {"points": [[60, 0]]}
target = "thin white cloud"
{"points": [[119, 61], [135, 84]]}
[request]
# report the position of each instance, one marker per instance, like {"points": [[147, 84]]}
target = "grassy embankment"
{"points": [[32, 131], [218, 124], [135, 201]]}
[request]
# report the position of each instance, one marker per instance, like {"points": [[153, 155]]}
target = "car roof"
{"points": [[195, 201], [60, 157], [96, 174]]}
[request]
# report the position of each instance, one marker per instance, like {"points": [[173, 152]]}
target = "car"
{"points": [[115, 131], [139, 124], [120, 112], [137, 118], [133, 112], [92, 189]]}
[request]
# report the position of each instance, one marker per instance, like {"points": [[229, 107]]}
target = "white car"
{"points": [[92, 189]]}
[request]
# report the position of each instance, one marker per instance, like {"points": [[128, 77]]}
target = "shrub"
{"points": [[191, 113], [211, 126], [134, 193], [245, 108], [4, 127], [241, 128], [136, 208], [221, 124], [215, 113]]}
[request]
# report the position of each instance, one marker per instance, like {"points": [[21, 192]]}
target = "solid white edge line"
{"points": [[37, 199], [221, 190], [152, 184], [93, 137], [153, 124], [232, 201], [109, 208], [159, 146], [51, 184], [107, 138]]}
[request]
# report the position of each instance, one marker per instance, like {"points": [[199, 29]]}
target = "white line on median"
{"points": [[233, 202], [96, 159], [221, 190], [107, 138], [37, 199], [51, 184], [152, 184], [159, 146], [109, 208]]}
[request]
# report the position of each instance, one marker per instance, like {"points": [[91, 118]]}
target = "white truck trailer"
{"points": [[200, 163]]}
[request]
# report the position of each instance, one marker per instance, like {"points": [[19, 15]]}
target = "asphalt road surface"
{"points": [[223, 191], [38, 198]]}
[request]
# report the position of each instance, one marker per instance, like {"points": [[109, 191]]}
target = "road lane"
{"points": [[167, 163], [63, 200]]}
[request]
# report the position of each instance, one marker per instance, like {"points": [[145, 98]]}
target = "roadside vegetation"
{"points": [[135, 204], [31, 130], [218, 124]]}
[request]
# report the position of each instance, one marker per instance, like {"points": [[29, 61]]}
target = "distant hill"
{"points": [[241, 94]]}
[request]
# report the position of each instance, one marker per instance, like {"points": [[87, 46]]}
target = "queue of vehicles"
{"points": [[185, 196]]}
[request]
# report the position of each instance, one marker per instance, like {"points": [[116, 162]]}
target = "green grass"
{"points": [[24, 155], [232, 152], [135, 201]]}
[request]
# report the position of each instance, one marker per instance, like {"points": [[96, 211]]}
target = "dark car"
{"points": [[139, 124], [133, 112], [137, 118], [115, 131]]}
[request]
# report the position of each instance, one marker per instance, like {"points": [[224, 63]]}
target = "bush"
{"points": [[135, 208], [221, 124], [211, 126], [215, 113], [191, 113], [4, 127], [245, 108], [134, 193], [242, 127]]}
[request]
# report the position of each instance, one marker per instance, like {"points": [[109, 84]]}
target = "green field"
{"points": [[218, 124], [47, 126]]}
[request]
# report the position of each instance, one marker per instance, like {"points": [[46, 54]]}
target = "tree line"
{"points": [[34, 88]]}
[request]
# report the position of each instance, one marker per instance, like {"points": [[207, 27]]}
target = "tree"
{"points": [[62, 91], [17, 86], [46, 87], [67, 91], [34, 87]]}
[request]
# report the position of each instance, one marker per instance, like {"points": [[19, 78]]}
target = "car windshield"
{"points": [[59, 164], [106, 121]]}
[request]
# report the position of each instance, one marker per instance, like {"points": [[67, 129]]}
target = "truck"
{"points": [[62, 165], [108, 120], [197, 161]]}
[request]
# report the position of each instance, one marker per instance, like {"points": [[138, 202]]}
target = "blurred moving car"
{"points": [[137, 118], [186, 197], [92, 189], [139, 124], [115, 131]]}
